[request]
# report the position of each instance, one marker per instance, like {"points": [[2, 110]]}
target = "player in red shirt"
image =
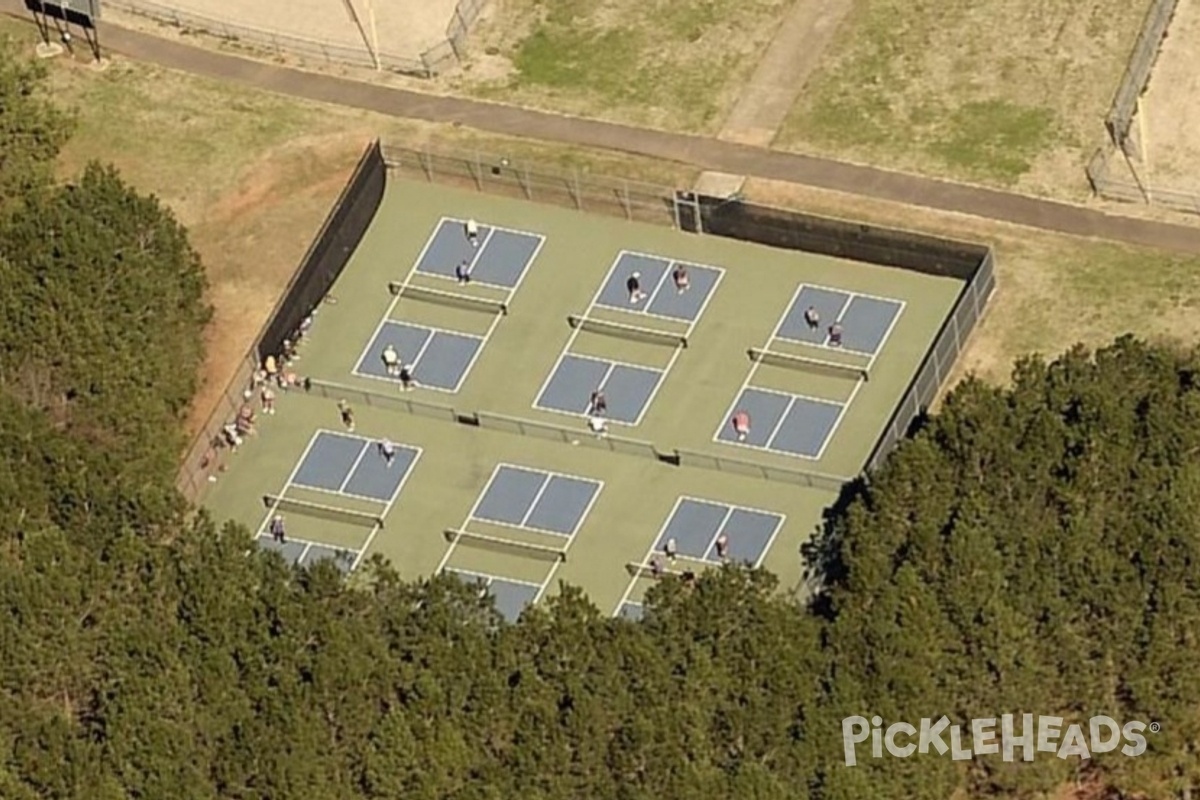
{"points": [[741, 425]]}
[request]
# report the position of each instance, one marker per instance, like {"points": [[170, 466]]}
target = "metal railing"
{"points": [[428, 64], [1137, 75], [597, 194], [1111, 187]]}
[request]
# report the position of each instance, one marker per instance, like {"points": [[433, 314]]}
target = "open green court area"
{"points": [[539, 395]]}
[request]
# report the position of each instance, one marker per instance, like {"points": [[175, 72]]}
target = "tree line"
{"points": [[1031, 549]]}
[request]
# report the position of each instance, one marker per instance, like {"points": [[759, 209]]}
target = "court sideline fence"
{"points": [[327, 256], [443, 56], [491, 174], [970, 263]]}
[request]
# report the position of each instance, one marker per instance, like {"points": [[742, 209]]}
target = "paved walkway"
{"points": [[707, 154]]}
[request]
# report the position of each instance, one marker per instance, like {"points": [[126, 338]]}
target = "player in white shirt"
{"points": [[391, 361]]}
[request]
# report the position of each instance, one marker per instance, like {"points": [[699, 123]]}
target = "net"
{"points": [[578, 436], [395, 402], [820, 366], [738, 466], [457, 536], [623, 331], [646, 570], [329, 513], [465, 301]]}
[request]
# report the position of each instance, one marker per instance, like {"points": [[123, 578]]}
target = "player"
{"points": [[407, 382], [680, 276], [812, 318], [671, 549], [462, 272], [473, 232], [347, 415], [391, 361], [741, 425], [598, 404], [723, 547], [634, 287], [387, 451], [277, 529], [267, 397], [598, 426], [835, 335], [656, 567]]}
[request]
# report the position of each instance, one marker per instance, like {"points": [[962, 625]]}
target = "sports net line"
{"points": [[625, 331], [321, 511], [460, 536], [820, 366], [578, 436], [453, 299], [739, 466], [374, 399]]}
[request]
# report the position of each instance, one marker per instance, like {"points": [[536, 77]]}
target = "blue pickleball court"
{"points": [[663, 299], [500, 259], [866, 321], [696, 525], [537, 500]]}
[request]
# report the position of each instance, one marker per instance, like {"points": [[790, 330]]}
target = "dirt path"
{"points": [[776, 82], [707, 154]]}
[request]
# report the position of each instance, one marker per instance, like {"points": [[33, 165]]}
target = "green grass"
{"points": [[691, 404], [1010, 94], [677, 65]]}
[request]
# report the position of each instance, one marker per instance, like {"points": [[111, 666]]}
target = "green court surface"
{"points": [[633, 493]]}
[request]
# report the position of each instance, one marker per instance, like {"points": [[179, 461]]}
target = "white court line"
{"points": [[431, 330], [587, 510], [837, 319], [662, 374], [338, 493], [887, 334], [296, 540], [483, 343], [837, 422], [536, 405], [489, 578], [852, 292], [289, 482], [716, 534], [396, 298], [471, 514], [512, 290], [487, 237], [462, 223], [707, 298], [304, 554], [779, 423], [662, 280], [387, 509], [342, 488], [779, 520], [607, 374], [633, 580], [533, 503]]}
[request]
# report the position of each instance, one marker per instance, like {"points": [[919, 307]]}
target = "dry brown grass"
{"points": [[672, 64], [252, 175], [1007, 93], [1171, 106]]}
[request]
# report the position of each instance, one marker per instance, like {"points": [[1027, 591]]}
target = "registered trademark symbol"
{"points": [[1155, 727]]}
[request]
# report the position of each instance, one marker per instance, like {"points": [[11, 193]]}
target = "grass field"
{"points": [[1010, 94], [688, 408], [676, 65]]}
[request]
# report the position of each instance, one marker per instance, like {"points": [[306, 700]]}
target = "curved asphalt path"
{"points": [[705, 153]]}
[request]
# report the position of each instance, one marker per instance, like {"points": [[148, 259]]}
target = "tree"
{"points": [[33, 129]]}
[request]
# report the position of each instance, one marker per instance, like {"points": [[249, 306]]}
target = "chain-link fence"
{"points": [[1110, 186], [324, 261], [1137, 76], [430, 63], [633, 200]]}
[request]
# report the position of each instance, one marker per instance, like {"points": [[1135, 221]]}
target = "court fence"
{"points": [[359, 202], [1132, 190], [327, 256], [970, 263], [596, 194], [443, 56], [1137, 77]]}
